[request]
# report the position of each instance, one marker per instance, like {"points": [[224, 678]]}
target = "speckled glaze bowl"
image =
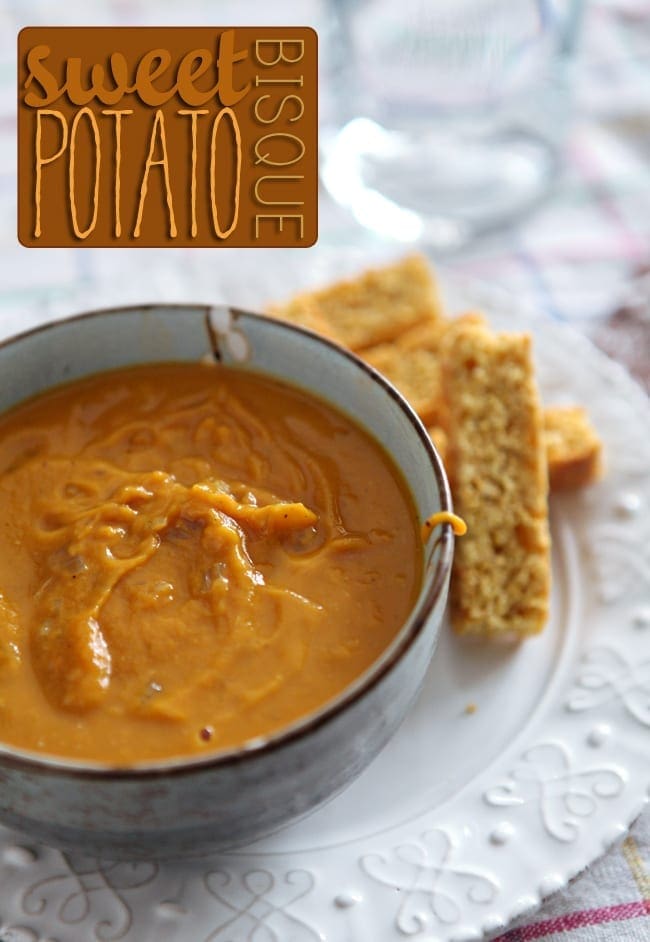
{"points": [[189, 807]]}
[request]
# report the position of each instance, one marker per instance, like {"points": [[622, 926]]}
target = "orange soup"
{"points": [[190, 556]]}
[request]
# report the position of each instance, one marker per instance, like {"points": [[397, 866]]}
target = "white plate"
{"points": [[467, 819]]}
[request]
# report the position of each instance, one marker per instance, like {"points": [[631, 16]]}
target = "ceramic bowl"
{"points": [[192, 806]]}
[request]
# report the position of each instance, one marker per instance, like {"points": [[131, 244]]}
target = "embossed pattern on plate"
{"points": [[467, 819]]}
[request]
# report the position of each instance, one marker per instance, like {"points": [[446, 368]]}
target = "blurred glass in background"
{"points": [[449, 115]]}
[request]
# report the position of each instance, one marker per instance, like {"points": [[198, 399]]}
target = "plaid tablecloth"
{"points": [[583, 257]]}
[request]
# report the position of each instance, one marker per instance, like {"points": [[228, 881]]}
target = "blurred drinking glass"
{"points": [[451, 114]]}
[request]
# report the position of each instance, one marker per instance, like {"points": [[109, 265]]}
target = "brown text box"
{"points": [[167, 137]]}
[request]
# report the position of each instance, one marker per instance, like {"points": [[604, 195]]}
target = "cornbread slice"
{"points": [[415, 373], [375, 307], [573, 448], [497, 467]]}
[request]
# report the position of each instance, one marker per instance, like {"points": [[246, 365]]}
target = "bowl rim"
{"points": [[25, 760]]}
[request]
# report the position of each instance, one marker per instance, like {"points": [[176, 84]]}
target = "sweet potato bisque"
{"points": [[190, 556]]}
